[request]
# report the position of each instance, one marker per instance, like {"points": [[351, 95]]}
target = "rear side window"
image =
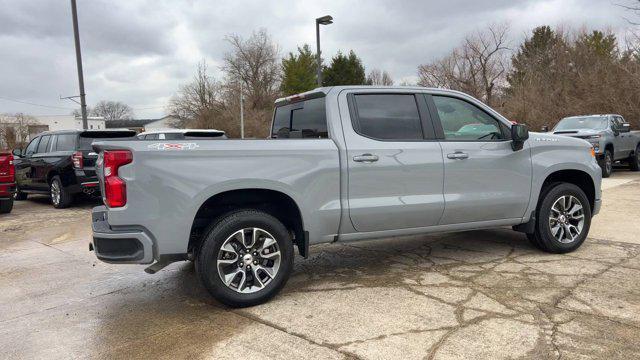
{"points": [[65, 142], [173, 136], [44, 144], [388, 117], [305, 119]]}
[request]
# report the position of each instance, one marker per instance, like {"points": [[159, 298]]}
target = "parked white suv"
{"points": [[181, 134]]}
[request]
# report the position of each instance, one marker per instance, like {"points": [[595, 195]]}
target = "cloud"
{"points": [[140, 51]]}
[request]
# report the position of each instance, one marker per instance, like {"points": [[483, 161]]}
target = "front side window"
{"points": [[464, 121], [31, 148], [44, 144], [306, 119], [390, 117]]}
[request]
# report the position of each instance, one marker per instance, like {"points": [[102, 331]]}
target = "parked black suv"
{"points": [[61, 164]]}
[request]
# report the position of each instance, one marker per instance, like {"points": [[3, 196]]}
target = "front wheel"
{"points": [[246, 258], [606, 164], [19, 195], [563, 219]]}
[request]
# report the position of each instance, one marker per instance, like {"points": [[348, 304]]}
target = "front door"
{"points": [[485, 179], [395, 168], [23, 165]]}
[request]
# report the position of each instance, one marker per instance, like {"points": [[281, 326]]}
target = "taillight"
{"points": [[6, 167], [12, 169], [77, 160], [115, 189]]}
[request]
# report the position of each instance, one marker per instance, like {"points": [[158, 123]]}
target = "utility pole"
{"points": [[241, 111], [76, 35]]}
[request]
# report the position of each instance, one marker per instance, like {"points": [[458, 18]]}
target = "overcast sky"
{"points": [[139, 51]]}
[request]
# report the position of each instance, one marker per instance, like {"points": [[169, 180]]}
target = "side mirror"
{"points": [[544, 128], [519, 134], [17, 152], [625, 128]]}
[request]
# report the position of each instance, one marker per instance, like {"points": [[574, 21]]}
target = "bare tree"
{"points": [[14, 130], [478, 66], [254, 62], [377, 77], [112, 110], [198, 103]]}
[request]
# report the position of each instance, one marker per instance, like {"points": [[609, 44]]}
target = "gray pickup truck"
{"points": [[343, 164], [610, 136]]}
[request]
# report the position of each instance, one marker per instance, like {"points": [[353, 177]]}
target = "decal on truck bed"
{"points": [[173, 146]]}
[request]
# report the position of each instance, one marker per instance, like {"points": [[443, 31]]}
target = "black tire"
{"points": [[634, 160], [64, 199], [606, 163], [218, 233], [543, 237], [6, 206], [19, 195]]}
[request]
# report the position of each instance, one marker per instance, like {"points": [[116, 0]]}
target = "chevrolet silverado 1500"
{"points": [[610, 135], [343, 164]]}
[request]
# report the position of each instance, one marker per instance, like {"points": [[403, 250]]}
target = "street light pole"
{"points": [[76, 35], [241, 111], [325, 20]]}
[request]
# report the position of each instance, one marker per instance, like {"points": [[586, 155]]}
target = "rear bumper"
{"points": [[119, 246], [7, 190], [85, 184]]}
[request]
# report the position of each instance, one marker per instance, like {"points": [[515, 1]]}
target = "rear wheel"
{"points": [[246, 258], [6, 206], [563, 219], [60, 197], [606, 163], [634, 160]]}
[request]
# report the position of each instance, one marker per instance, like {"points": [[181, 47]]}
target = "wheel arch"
{"points": [[277, 203], [579, 178]]}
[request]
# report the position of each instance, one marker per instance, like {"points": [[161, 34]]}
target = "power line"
{"points": [[34, 104]]}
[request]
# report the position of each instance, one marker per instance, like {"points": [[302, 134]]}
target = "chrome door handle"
{"points": [[458, 155], [365, 158]]}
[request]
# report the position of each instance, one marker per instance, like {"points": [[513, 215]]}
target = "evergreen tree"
{"points": [[344, 70], [536, 54], [299, 72], [605, 46]]}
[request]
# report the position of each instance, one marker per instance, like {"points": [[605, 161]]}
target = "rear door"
{"points": [[395, 168], [484, 178]]}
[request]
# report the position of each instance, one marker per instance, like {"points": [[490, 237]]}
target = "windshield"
{"points": [[577, 123]]}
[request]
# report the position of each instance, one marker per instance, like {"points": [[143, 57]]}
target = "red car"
{"points": [[7, 182]]}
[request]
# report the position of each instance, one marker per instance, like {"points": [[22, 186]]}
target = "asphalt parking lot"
{"points": [[478, 294]]}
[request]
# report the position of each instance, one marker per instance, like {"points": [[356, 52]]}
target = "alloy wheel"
{"points": [[608, 163], [566, 219], [248, 260], [55, 192]]}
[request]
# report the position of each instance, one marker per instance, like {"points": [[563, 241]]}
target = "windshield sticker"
{"points": [[173, 146]]}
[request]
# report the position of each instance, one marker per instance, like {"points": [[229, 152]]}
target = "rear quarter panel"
{"points": [[165, 188]]}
